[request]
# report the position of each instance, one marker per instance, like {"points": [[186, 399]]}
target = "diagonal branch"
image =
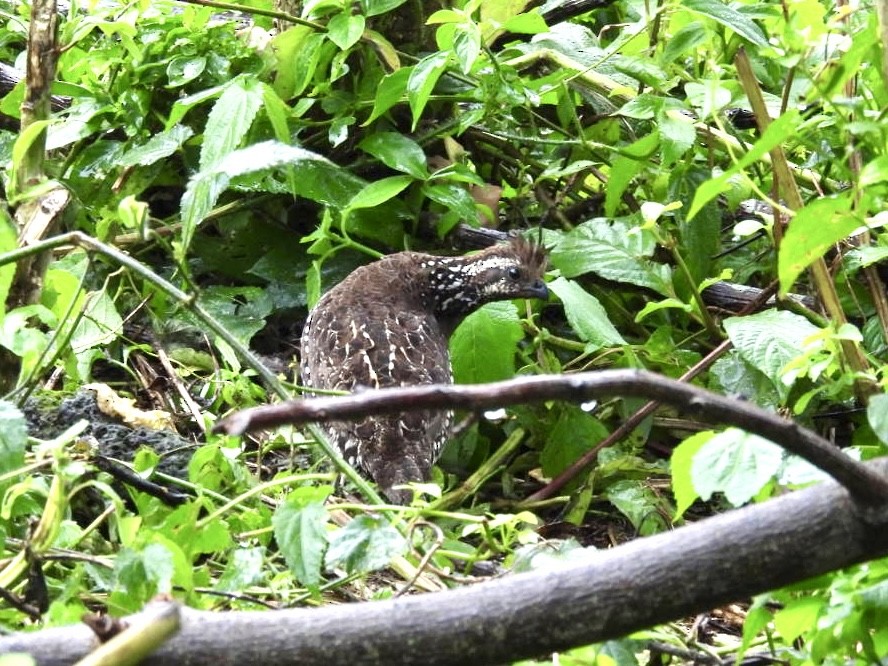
{"points": [[863, 483]]}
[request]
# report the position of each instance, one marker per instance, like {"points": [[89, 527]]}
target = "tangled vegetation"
{"points": [[224, 165]]}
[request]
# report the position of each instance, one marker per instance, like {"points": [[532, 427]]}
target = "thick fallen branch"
{"points": [[862, 482], [615, 592]]}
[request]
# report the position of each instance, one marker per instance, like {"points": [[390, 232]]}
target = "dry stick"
{"points": [[646, 410], [783, 176], [863, 483]]}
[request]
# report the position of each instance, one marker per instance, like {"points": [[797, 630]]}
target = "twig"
{"points": [[864, 484]]}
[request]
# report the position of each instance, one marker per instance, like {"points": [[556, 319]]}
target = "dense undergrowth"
{"points": [[246, 174]]}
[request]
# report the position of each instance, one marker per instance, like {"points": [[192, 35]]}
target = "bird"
{"points": [[387, 324]]}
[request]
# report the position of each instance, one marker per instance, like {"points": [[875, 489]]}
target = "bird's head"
{"points": [[457, 286]]}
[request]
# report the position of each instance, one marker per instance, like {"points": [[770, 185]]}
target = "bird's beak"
{"points": [[537, 290]]}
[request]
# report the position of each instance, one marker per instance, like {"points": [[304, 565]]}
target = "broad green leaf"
{"points": [[228, 122], [483, 347], [101, 324], [245, 567], [797, 617], [815, 229], [315, 178], [367, 543], [625, 168], [299, 529], [874, 172], [778, 131], [423, 77], [397, 152], [378, 192], [684, 41], [8, 242], [242, 310], [182, 69], [769, 340], [345, 29], [376, 7], [157, 147], [876, 414], [391, 90], [298, 52], [635, 500], [13, 437], [729, 17], [736, 376], [615, 251], [467, 46], [585, 315], [573, 433], [736, 464], [455, 198], [680, 465], [528, 23], [677, 135]]}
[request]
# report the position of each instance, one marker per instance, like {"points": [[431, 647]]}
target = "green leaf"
{"points": [[625, 168], [735, 463], [769, 340], [299, 528], [345, 29], [635, 500], [182, 69], [298, 54], [245, 567], [397, 152], [378, 192], [8, 242], [574, 433], [101, 323], [13, 437], [529, 23], [483, 347], [585, 315], [797, 617], [615, 251], [815, 229], [423, 77], [680, 464], [241, 310], [159, 146], [778, 131], [729, 17], [876, 414], [376, 7], [367, 543], [454, 198], [684, 41], [390, 91], [315, 178], [231, 117]]}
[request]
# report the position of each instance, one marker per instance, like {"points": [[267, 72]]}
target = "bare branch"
{"points": [[862, 482]]}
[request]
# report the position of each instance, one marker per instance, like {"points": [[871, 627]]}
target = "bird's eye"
{"points": [[514, 273]]}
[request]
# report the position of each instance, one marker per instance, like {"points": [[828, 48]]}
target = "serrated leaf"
{"points": [[231, 117], [159, 146], [183, 69], [13, 437], [397, 152], [345, 29], [585, 315], [729, 17], [615, 252], [680, 464], [298, 52], [376, 7], [769, 340], [314, 176], [245, 568], [299, 528], [815, 229], [423, 77], [735, 463], [367, 543], [101, 324], [483, 348]]}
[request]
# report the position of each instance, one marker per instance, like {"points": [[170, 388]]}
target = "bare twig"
{"points": [[862, 482]]}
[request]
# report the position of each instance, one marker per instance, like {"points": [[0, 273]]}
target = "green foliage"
{"points": [[241, 178]]}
